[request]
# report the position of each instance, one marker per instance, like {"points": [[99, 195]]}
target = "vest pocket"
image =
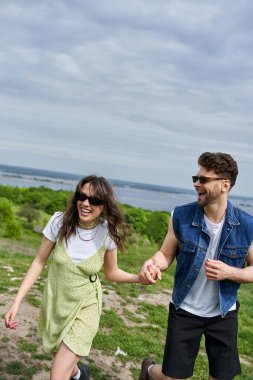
{"points": [[187, 246], [234, 256], [185, 256]]}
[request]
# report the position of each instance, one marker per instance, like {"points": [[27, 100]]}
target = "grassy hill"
{"points": [[133, 322]]}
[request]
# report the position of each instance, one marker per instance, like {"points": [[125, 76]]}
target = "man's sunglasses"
{"points": [[94, 201], [202, 179]]}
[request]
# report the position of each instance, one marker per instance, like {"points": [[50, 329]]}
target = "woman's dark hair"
{"points": [[222, 164], [118, 228]]}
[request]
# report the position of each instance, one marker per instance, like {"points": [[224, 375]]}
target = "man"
{"points": [[212, 241]]}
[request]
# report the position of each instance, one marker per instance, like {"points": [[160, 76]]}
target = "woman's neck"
{"points": [[88, 226]]}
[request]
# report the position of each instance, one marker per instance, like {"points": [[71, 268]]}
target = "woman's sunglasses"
{"points": [[202, 179], [94, 201]]}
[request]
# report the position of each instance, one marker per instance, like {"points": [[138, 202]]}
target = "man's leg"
{"points": [[181, 348], [155, 373], [182, 344], [221, 347]]}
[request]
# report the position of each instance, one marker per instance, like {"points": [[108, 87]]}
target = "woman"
{"points": [[82, 239]]}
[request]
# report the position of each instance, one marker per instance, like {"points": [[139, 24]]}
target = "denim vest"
{"points": [[193, 240]]}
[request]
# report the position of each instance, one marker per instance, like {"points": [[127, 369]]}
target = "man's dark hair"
{"points": [[222, 164]]}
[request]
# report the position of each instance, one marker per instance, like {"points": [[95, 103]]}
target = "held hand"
{"points": [[150, 273], [217, 270], [154, 271]]}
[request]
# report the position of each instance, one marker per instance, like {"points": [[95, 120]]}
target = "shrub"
{"points": [[12, 193], [157, 226], [6, 212], [13, 229], [30, 214], [137, 218], [57, 203]]}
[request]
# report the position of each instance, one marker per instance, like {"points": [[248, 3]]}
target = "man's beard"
{"points": [[209, 198]]}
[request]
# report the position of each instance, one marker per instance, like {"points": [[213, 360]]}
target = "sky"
{"points": [[133, 90]]}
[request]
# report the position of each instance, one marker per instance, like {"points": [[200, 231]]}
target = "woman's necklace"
{"points": [[90, 226], [93, 237]]}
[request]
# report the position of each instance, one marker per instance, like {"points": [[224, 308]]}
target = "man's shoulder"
{"points": [[186, 210], [187, 206], [242, 214]]}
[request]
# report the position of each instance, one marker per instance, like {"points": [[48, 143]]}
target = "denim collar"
{"points": [[230, 217]]}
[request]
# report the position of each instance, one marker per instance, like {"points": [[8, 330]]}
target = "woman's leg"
{"points": [[64, 364]]}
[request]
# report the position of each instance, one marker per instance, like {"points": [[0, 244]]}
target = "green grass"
{"points": [[15, 368], [27, 346], [28, 239], [140, 333], [13, 268], [141, 342]]}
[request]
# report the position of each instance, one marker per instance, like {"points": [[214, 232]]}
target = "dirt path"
{"points": [[11, 351], [14, 247]]}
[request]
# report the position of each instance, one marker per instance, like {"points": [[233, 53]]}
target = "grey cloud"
{"points": [[137, 85]]}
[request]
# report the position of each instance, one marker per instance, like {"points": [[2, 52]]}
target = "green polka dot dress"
{"points": [[71, 303]]}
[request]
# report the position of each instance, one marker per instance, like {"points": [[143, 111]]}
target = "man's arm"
{"points": [[162, 259], [217, 270]]}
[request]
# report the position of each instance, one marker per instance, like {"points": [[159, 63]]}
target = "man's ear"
{"points": [[226, 184]]}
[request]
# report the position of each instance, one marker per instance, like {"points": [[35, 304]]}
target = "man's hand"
{"points": [[217, 270], [150, 273]]}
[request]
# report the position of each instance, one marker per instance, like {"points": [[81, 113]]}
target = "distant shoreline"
{"points": [[19, 171], [146, 196]]}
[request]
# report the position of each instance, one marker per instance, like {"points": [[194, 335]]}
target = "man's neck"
{"points": [[215, 212]]}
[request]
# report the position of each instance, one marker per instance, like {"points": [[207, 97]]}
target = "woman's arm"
{"points": [[33, 273], [113, 272]]}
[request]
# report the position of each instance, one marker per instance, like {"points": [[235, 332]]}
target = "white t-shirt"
{"points": [[77, 248], [203, 297]]}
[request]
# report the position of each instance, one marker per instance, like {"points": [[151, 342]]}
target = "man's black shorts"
{"points": [[183, 340]]}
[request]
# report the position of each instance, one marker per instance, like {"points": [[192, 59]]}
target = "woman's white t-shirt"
{"points": [[77, 248]]}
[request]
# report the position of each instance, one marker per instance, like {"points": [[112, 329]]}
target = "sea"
{"points": [[146, 196]]}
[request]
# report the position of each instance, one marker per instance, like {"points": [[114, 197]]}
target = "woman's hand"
{"points": [[9, 317], [31, 276], [150, 273]]}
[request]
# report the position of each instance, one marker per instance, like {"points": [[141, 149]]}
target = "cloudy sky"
{"points": [[133, 90]]}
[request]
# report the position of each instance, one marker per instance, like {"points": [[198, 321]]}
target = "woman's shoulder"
{"points": [[52, 228], [58, 215], [56, 218]]}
